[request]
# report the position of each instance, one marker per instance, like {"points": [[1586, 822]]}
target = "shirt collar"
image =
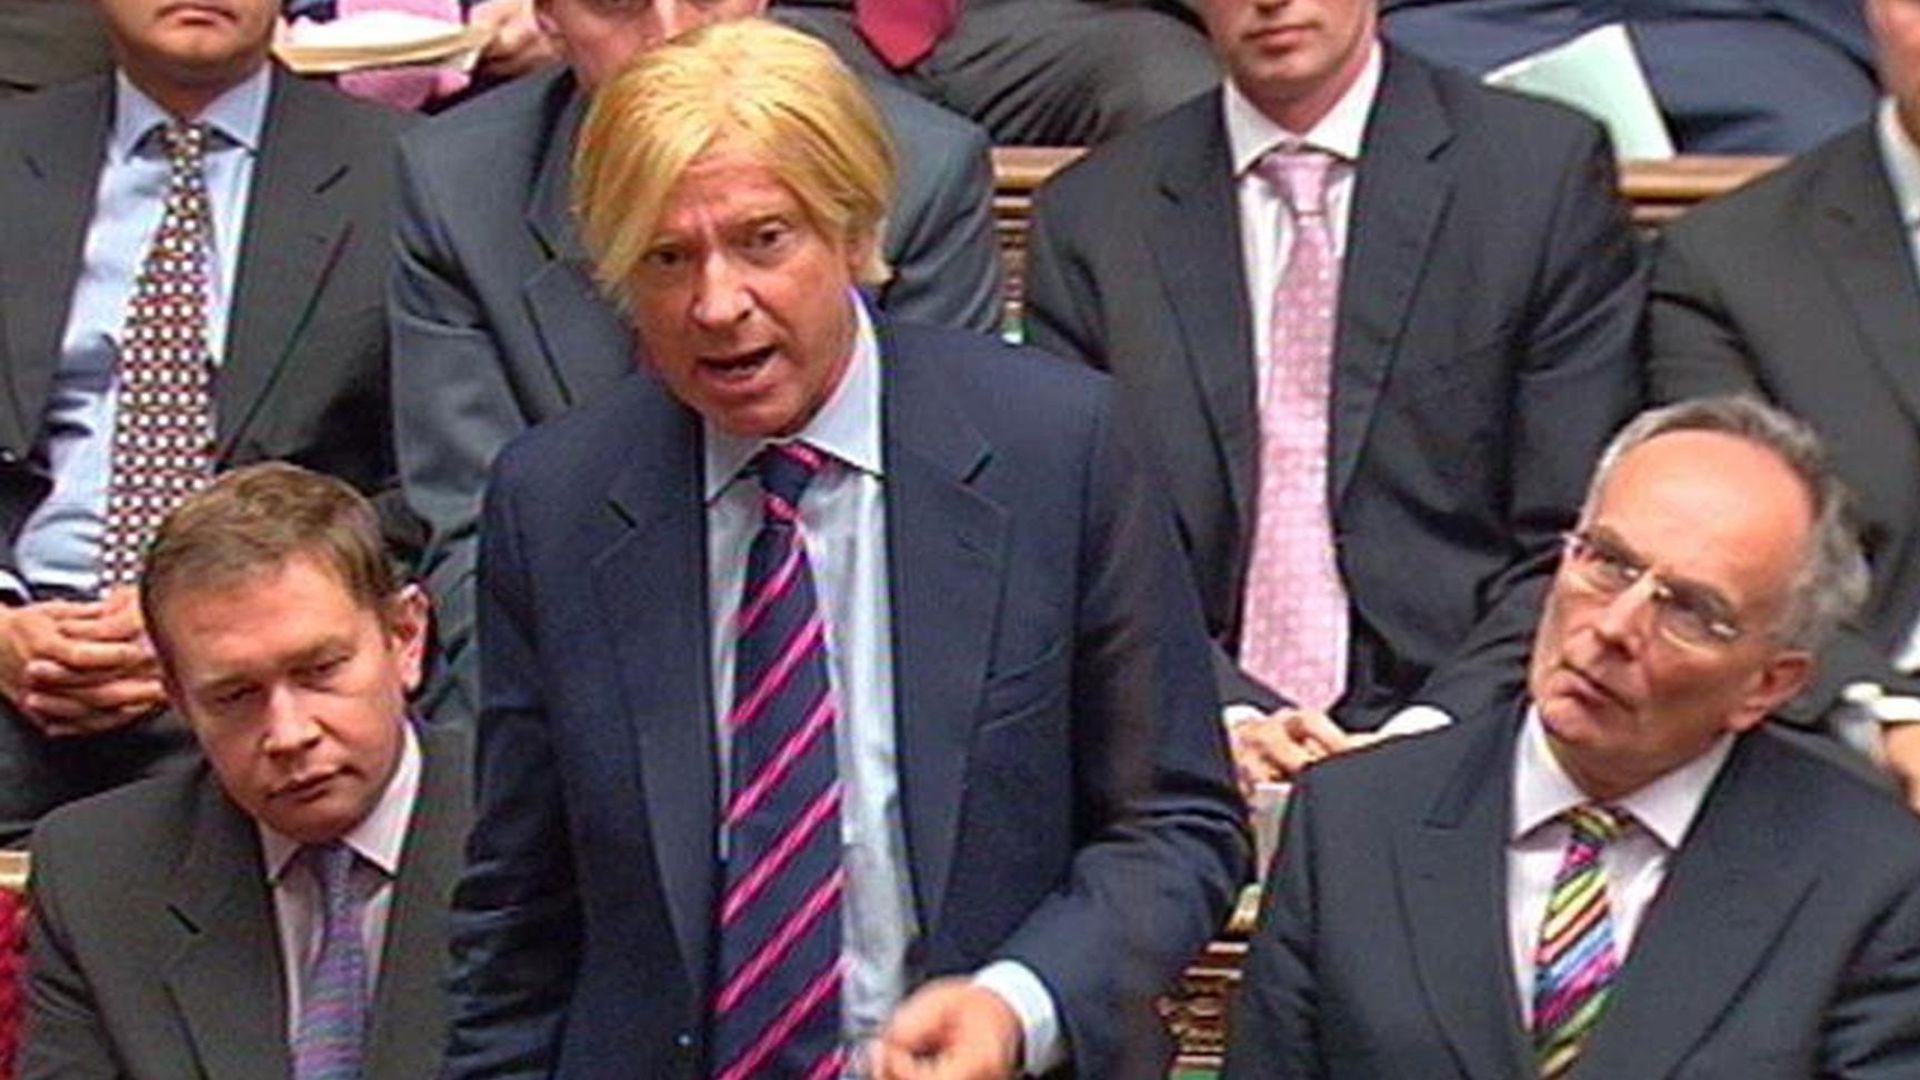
{"points": [[239, 114], [1542, 790], [847, 427], [1251, 134], [1902, 161], [380, 835]]}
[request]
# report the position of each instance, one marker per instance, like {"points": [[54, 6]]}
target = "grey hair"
{"points": [[1832, 581]]}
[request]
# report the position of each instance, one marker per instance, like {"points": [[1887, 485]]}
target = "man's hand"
{"points": [[1275, 748], [517, 45], [78, 668], [949, 1029], [1901, 744]]}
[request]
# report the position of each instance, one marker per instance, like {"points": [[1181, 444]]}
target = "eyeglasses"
{"points": [[1683, 612]]}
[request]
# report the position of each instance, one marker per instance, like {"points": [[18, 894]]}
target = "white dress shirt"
{"points": [[1635, 863], [298, 907], [844, 525]]}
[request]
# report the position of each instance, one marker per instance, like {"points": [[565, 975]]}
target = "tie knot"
{"points": [[331, 865], [185, 143], [785, 470], [1594, 825], [1299, 176]]}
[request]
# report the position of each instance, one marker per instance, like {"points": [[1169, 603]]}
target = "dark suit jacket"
{"points": [[1785, 943], [154, 951], [1801, 289], [498, 326], [1489, 303], [1064, 790], [304, 377]]}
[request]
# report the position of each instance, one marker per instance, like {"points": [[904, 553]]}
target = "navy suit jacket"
{"points": [[1785, 943], [1064, 787], [1485, 348]]}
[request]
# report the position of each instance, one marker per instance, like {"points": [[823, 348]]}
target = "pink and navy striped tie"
{"points": [[1575, 962], [331, 1036], [777, 1006]]}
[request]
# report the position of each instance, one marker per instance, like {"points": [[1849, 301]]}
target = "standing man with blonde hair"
{"points": [[917, 775]]}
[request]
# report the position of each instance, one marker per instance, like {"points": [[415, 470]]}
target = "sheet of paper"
{"points": [[1600, 74]]}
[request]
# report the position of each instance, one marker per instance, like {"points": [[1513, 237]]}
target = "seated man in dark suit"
{"points": [[1802, 288], [496, 324], [1633, 875], [279, 911], [1382, 319], [846, 706], [192, 252]]}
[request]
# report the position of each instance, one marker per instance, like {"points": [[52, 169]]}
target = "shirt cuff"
{"points": [[1416, 720], [1873, 699], [1240, 712], [1042, 1045]]}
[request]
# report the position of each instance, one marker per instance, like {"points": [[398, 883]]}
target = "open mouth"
{"points": [[738, 367]]}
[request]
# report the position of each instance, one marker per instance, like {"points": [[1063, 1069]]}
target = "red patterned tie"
{"points": [[777, 1011], [903, 32], [163, 435], [1293, 625]]}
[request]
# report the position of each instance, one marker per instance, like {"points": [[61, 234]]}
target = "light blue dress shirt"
{"points": [[59, 545], [843, 521]]}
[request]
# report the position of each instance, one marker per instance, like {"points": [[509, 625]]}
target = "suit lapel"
{"points": [[1402, 185], [226, 977], [1194, 234], [1727, 897], [651, 583], [57, 176], [587, 343], [1452, 867], [297, 228], [945, 549], [1856, 234], [408, 1016]]}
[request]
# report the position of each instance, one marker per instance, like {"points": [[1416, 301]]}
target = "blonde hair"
{"points": [[752, 84]]}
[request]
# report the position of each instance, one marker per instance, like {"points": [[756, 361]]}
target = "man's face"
{"points": [[296, 693], [598, 37], [1715, 518], [1896, 33], [1292, 58], [743, 305], [189, 44]]}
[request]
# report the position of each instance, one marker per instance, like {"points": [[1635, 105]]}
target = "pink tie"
{"points": [[1293, 626], [410, 86], [903, 32]]}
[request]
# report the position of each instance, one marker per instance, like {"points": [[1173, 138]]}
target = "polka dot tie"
{"points": [[1293, 625], [163, 435]]}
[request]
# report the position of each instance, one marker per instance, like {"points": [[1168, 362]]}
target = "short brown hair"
{"points": [[772, 89], [257, 519]]}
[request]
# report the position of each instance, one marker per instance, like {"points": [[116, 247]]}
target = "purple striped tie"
{"points": [[333, 1007], [777, 1007]]}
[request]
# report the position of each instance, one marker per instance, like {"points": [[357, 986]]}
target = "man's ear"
{"points": [[408, 616], [1782, 677]]}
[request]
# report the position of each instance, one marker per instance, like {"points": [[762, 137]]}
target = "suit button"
{"points": [[684, 1040]]}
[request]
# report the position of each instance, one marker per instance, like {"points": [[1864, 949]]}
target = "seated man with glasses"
{"points": [[1634, 875]]}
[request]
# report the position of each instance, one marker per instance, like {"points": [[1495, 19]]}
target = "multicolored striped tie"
{"points": [[331, 1036], [777, 1009], [163, 435], [1575, 961]]}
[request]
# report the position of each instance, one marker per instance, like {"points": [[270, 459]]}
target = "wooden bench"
{"points": [[1659, 191]]}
